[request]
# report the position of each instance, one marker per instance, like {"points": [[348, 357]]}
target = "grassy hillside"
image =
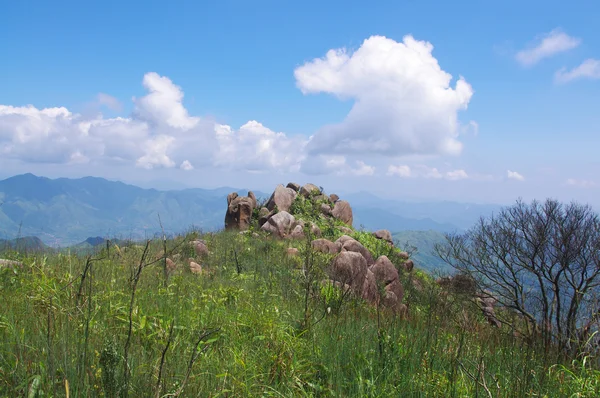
{"points": [[424, 242], [254, 323]]}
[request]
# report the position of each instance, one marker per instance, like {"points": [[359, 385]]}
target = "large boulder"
{"points": [[310, 190], [343, 239], [280, 224], [350, 268], [369, 289], [252, 198], [263, 215], [326, 246], [343, 212], [282, 197], [385, 235], [384, 270], [357, 247], [396, 288], [294, 186], [239, 211]]}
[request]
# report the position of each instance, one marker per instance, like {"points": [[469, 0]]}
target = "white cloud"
{"points": [[581, 183], [400, 171], [363, 169], [254, 147], [456, 175], [109, 101], [163, 103], [545, 46], [513, 175], [186, 165], [404, 103], [156, 153], [590, 69], [423, 171]]}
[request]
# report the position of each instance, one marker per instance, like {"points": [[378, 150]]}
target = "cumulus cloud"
{"points": [[255, 147], [581, 183], [163, 103], [513, 175], [589, 69], [546, 45], [400, 171], [186, 165], [404, 103]]}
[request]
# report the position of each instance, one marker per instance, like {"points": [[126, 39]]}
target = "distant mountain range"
{"points": [[65, 212]]}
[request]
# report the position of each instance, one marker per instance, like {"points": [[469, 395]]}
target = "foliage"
{"points": [[239, 329], [541, 260]]}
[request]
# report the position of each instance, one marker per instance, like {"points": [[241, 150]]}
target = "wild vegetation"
{"points": [[255, 322]]}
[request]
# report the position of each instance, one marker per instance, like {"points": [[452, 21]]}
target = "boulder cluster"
{"points": [[275, 216], [354, 268]]}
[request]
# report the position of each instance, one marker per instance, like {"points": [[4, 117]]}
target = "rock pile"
{"points": [[275, 216], [353, 265]]}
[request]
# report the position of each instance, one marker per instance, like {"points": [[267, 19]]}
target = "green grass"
{"points": [[264, 336]]}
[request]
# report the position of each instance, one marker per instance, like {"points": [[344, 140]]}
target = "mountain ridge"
{"points": [[66, 211]]}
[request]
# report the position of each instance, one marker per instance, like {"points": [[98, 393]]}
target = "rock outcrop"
{"points": [[282, 198], [343, 212], [239, 211], [280, 224]]}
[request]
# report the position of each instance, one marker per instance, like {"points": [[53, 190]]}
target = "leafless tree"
{"points": [[540, 260]]}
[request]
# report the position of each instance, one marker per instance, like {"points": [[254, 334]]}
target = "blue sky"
{"points": [[146, 85]]}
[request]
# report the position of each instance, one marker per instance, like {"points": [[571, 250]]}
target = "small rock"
{"points": [[346, 230], [292, 252], [195, 268], [200, 248], [403, 255], [408, 265], [326, 246], [334, 198], [171, 266], [385, 235], [297, 232]]}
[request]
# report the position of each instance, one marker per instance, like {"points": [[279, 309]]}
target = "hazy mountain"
{"points": [[66, 211], [458, 215], [424, 241], [25, 243]]}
